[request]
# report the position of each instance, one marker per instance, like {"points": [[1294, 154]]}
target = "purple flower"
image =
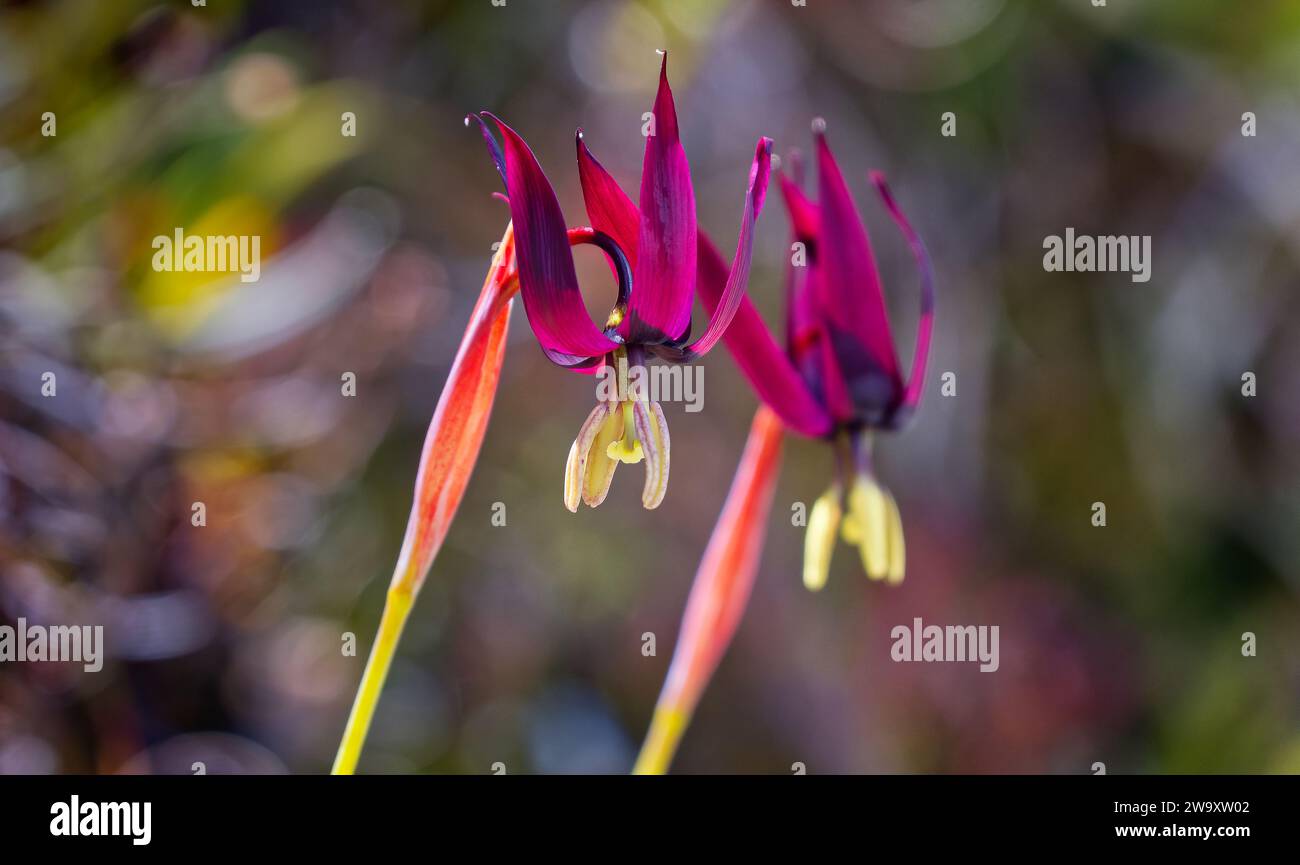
{"points": [[653, 250], [838, 376]]}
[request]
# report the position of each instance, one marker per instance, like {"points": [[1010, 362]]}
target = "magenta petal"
{"points": [[664, 277], [833, 354], [810, 346], [808, 342], [801, 322], [768, 369], [494, 150], [547, 278], [608, 207], [808, 334], [803, 213], [851, 295], [724, 307], [924, 327], [803, 332]]}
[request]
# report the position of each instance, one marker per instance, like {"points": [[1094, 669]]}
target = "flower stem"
{"points": [[451, 448], [719, 593], [661, 741], [397, 607]]}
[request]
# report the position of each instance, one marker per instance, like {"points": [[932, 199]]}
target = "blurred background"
{"points": [[1120, 645]]}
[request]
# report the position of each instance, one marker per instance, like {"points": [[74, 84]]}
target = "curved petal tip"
{"points": [[494, 147]]}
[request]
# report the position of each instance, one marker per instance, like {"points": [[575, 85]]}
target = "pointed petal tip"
{"points": [[493, 146], [660, 306], [728, 301], [761, 174], [911, 395], [663, 68], [547, 278], [882, 187], [502, 127], [608, 206], [792, 166], [664, 102]]}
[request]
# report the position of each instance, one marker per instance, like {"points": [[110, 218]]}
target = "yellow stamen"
{"points": [[588, 472], [819, 541], [897, 551], [850, 530], [572, 479], [652, 429], [870, 512], [598, 469]]}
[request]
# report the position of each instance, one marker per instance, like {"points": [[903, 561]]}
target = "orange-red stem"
{"points": [[451, 449], [719, 594]]}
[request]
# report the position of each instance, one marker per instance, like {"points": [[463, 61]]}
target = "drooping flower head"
{"points": [[653, 252], [838, 376]]}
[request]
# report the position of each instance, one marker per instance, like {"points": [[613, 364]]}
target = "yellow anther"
{"points": [[652, 430], [573, 478], [819, 541], [589, 471], [850, 530], [629, 432], [897, 551], [869, 508]]}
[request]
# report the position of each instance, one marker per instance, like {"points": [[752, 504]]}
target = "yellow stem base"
{"points": [[397, 607], [666, 729]]}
